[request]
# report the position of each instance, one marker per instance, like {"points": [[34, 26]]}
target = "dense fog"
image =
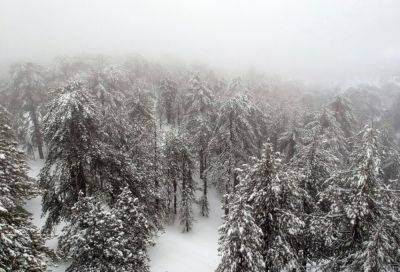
{"points": [[317, 41]]}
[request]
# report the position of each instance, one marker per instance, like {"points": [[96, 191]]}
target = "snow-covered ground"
{"points": [[174, 251], [195, 251]]}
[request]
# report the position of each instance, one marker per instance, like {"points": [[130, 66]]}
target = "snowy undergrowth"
{"points": [[174, 251]]}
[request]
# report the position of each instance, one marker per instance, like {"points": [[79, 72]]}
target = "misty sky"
{"points": [[300, 38]]}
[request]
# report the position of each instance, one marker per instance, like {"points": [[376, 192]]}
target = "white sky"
{"points": [[307, 39]]}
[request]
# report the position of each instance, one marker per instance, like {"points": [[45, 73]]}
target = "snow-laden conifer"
{"points": [[241, 242], [21, 246], [361, 226]]}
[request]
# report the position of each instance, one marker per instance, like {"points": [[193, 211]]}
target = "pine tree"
{"points": [[104, 239], [179, 166], [72, 129], [241, 242], [172, 172], [344, 115], [361, 226], [366, 102], [234, 140], [187, 199], [199, 119], [82, 158], [28, 85], [167, 101], [144, 141], [290, 140], [314, 163], [21, 246], [273, 192]]}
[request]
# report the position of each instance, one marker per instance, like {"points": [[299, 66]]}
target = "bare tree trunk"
{"points": [[204, 207], [175, 197], [37, 132], [155, 163], [202, 169]]}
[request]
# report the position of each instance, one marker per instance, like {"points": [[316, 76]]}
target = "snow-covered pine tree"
{"points": [[172, 173], [199, 119], [335, 139], [101, 238], [391, 157], [314, 163], [234, 139], [240, 244], [290, 140], [361, 227], [167, 101], [392, 116], [28, 86], [278, 124], [21, 246], [144, 144], [275, 197], [366, 102], [82, 158], [178, 167], [72, 128], [187, 199], [341, 109], [322, 150]]}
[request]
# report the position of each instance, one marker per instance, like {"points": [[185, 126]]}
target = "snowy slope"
{"points": [[174, 251]]}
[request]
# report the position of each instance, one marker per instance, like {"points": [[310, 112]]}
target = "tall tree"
{"points": [[361, 226], [199, 119], [72, 129], [107, 239], [273, 192], [82, 158], [167, 101], [21, 246], [179, 166], [29, 86], [187, 199], [342, 110], [241, 243], [234, 139]]}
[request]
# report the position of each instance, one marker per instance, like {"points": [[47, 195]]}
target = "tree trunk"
{"points": [[202, 169], [175, 196], [305, 257], [155, 163], [37, 131]]}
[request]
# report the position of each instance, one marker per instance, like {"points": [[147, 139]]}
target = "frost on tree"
{"points": [[241, 242], [235, 138], [167, 103], [21, 246], [361, 228], [272, 191], [81, 159], [344, 115], [178, 167], [199, 119], [103, 238], [72, 133], [28, 87]]}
